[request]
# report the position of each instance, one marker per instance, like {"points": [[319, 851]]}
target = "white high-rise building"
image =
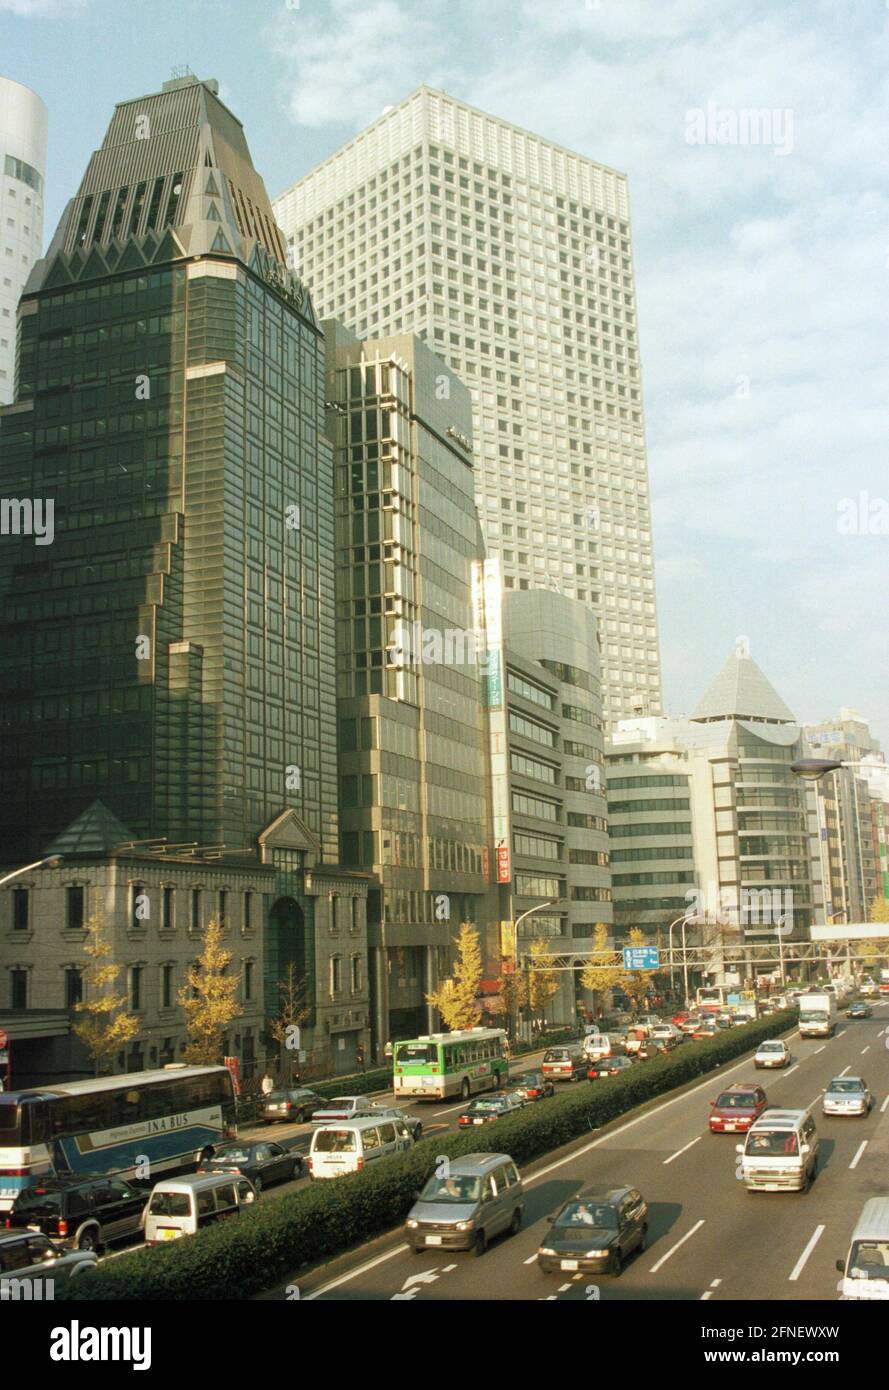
{"points": [[23, 122], [511, 256]]}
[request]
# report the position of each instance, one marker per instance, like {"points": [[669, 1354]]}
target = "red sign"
{"points": [[234, 1067], [4, 1038], [504, 874]]}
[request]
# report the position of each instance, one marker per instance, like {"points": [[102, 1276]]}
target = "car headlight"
{"points": [[597, 1254], [412, 1225], [465, 1225], [545, 1250]]}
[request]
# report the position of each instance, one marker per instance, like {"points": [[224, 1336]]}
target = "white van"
{"points": [[351, 1146], [180, 1206], [780, 1152], [865, 1269]]}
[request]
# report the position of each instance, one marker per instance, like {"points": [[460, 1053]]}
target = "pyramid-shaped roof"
{"points": [[95, 831], [741, 691]]}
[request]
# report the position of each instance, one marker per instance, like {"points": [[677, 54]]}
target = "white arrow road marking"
{"points": [[861, 1148], [410, 1287], [664, 1258], [798, 1267], [681, 1151]]}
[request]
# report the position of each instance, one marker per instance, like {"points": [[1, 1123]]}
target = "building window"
{"points": [[223, 898], [18, 989], [356, 916], [135, 979], [166, 986], [334, 924], [336, 974], [168, 901], [248, 981], [195, 909], [248, 905], [21, 903], [73, 987], [357, 975], [74, 908]]}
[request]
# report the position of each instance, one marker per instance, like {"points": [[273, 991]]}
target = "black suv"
{"points": [[79, 1213]]}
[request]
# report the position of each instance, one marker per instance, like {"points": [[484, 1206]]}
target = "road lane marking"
{"points": [[543, 1172], [865, 1049], [794, 1068], [532, 1260], [714, 1284], [672, 1251], [451, 1108], [800, 1264], [682, 1151], [861, 1148], [819, 1049], [845, 1069], [883, 1106]]}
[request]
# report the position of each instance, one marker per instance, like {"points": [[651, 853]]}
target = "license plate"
{"points": [[477, 1121], [730, 1129], [433, 1240], [570, 1264], [169, 1233]]}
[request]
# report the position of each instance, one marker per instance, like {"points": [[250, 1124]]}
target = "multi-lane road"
{"points": [[709, 1239]]}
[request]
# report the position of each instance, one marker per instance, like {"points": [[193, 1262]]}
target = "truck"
{"points": [[884, 981], [817, 1014]]}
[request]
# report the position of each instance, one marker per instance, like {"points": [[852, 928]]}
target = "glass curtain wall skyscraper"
{"points": [[169, 649], [23, 122], [511, 256]]}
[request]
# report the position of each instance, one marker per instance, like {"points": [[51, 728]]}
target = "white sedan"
{"points": [[773, 1053]]}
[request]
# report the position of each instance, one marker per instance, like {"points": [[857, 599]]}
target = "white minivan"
{"points": [[180, 1206], [865, 1269], [351, 1146]]}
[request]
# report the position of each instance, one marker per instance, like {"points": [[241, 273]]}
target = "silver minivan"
{"points": [[180, 1206], [481, 1196], [780, 1152], [865, 1269]]}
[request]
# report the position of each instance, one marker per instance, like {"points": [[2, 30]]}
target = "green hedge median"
{"points": [[266, 1244]]}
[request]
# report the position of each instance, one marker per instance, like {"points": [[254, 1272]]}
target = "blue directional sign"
{"points": [[641, 957]]}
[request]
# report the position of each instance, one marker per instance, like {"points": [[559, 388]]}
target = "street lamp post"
{"points": [[551, 902], [684, 919], [51, 861]]}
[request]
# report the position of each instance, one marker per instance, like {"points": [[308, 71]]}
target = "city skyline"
{"points": [[764, 440]]}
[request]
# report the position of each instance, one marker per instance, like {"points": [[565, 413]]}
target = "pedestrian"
{"points": [[267, 1084], [359, 1057]]}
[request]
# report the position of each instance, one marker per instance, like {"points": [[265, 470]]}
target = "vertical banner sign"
{"points": [[490, 585], [234, 1067]]}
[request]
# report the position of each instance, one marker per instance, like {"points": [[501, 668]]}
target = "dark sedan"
{"points": [[531, 1085], [859, 1010], [295, 1104], [263, 1163], [595, 1232], [609, 1066], [489, 1108]]}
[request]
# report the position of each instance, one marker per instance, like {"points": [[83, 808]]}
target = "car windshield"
{"points": [[416, 1052], [588, 1214], [556, 1054], [528, 1078], [772, 1143], [38, 1199], [279, 1095], [231, 1153], [733, 1101], [334, 1141], [772, 1047], [453, 1189], [871, 1257], [170, 1204], [487, 1104], [846, 1085], [339, 1103]]}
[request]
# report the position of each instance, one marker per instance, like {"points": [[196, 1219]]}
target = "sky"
{"points": [[754, 135]]}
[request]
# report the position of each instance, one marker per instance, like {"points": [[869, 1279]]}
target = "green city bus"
{"points": [[451, 1064]]}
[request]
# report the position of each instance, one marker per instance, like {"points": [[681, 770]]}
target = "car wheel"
{"points": [[480, 1244], [418, 1130], [516, 1224], [643, 1239], [257, 1183], [88, 1239], [618, 1261], [464, 1089]]}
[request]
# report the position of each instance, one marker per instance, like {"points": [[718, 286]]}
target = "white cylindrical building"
{"points": [[23, 121]]}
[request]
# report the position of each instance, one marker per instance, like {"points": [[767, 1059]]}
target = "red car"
{"points": [[734, 1111]]}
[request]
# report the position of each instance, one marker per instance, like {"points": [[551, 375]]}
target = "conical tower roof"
{"points": [[741, 691], [95, 831]]}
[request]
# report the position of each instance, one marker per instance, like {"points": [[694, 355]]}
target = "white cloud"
{"points": [[42, 9]]}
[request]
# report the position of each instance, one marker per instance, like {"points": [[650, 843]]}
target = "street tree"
{"points": [[293, 1011], [513, 994], [543, 982], [209, 998], [457, 998], [637, 984], [604, 971], [103, 1025]]}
